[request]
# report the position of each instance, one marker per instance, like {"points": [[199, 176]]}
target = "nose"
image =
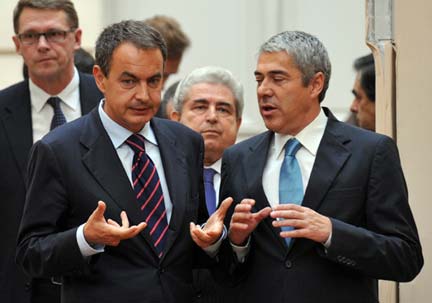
{"points": [[211, 114], [264, 89], [354, 106], [42, 42], [142, 92]]}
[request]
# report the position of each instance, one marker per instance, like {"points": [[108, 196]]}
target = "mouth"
{"points": [[267, 109], [211, 132]]}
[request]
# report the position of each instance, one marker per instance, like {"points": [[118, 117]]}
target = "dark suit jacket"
{"points": [[74, 167], [358, 182], [16, 139]]}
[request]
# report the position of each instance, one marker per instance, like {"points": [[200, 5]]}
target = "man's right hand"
{"points": [[98, 230], [243, 221]]}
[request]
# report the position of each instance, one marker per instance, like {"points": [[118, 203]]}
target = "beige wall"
{"points": [[413, 21]]}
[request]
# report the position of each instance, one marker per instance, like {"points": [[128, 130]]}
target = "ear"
{"points": [[316, 84], [175, 116], [17, 44], [77, 38], [239, 120], [99, 78]]}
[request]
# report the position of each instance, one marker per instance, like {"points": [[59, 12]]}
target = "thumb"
{"points": [[223, 208], [263, 213], [98, 213]]}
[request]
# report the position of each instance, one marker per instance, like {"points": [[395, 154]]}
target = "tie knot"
{"points": [[209, 174], [136, 142], [54, 102], [291, 147]]}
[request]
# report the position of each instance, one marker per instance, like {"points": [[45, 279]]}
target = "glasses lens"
{"points": [[55, 36]]}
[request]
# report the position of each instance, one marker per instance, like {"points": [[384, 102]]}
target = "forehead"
{"points": [[140, 62], [274, 62], [211, 92], [42, 19]]}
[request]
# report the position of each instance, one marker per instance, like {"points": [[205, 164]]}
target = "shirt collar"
{"points": [[309, 137], [217, 166], [39, 97], [118, 134]]}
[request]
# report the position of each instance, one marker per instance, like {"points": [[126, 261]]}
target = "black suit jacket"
{"points": [[16, 139], [74, 167], [358, 182]]}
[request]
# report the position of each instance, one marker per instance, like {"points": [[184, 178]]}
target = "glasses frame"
{"points": [[46, 35]]}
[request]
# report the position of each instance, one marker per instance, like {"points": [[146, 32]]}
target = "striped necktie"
{"points": [[58, 118], [290, 180], [147, 187]]}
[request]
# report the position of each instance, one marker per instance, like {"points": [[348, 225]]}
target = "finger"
{"points": [[223, 208], [250, 202], [289, 223], [287, 214], [98, 213], [113, 223], [124, 219], [263, 213], [242, 208], [238, 226], [290, 206]]}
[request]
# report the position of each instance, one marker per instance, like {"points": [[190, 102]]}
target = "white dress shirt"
{"points": [[42, 113]]}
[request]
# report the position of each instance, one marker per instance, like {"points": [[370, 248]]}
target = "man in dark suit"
{"points": [[25, 117], [210, 101], [119, 163], [325, 218]]}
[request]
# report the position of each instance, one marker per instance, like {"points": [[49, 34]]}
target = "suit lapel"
{"points": [[16, 116], [173, 160], [331, 157], [253, 174], [102, 161]]}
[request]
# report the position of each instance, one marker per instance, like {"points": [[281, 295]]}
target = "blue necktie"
{"points": [[210, 192], [58, 118], [290, 180], [148, 192]]}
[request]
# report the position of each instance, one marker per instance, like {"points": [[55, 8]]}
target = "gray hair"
{"points": [[210, 74], [308, 53], [138, 33]]}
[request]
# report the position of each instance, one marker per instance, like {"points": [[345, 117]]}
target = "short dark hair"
{"points": [[167, 98], [62, 5], [365, 67], [135, 32], [175, 39]]}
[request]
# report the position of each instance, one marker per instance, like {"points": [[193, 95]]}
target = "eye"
{"points": [[55, 34], [154, 82], [128, 83]]}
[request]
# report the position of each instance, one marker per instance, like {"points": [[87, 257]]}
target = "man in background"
{"points": [[167, 107], [177, 42], [47, 34], [210, 101], [363, 105]]}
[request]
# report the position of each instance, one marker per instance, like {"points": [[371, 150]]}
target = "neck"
{"points": [[53, 85]]}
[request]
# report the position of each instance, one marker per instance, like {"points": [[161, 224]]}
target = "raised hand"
{"points": [[307, 223], [243, 221], [98, 230], [213, 228]]}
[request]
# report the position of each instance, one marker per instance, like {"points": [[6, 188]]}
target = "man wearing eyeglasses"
{"points": [[47, 34]]}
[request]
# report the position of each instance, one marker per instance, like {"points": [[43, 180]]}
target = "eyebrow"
{"points": [[272, 72]]}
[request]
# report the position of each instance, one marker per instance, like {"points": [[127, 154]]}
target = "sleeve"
{"points": [[45, 246], [387, 246]]}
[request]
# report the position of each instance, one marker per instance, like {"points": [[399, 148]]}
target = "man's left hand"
{"points": [[212, 231], [307, 223]]}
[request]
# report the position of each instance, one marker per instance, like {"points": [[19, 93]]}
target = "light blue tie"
{"points": [[290, 180]]}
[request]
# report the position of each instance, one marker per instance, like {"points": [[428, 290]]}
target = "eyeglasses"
{"points": [[52, 36]]}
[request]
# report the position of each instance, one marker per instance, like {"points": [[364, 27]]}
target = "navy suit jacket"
{"points": [[74, 167], [356, 181], [16, 139]]}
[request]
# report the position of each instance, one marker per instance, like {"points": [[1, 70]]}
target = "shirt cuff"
{"points": [[241, 251], [328, 242], [86, 249], [213, 249]]}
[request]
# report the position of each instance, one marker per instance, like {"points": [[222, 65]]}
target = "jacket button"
{"points": [[27, 286], [288, 264]]}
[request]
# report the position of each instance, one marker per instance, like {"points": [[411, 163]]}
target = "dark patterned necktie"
{"points": [[148, 190], [210, 192], [58, 118]]}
